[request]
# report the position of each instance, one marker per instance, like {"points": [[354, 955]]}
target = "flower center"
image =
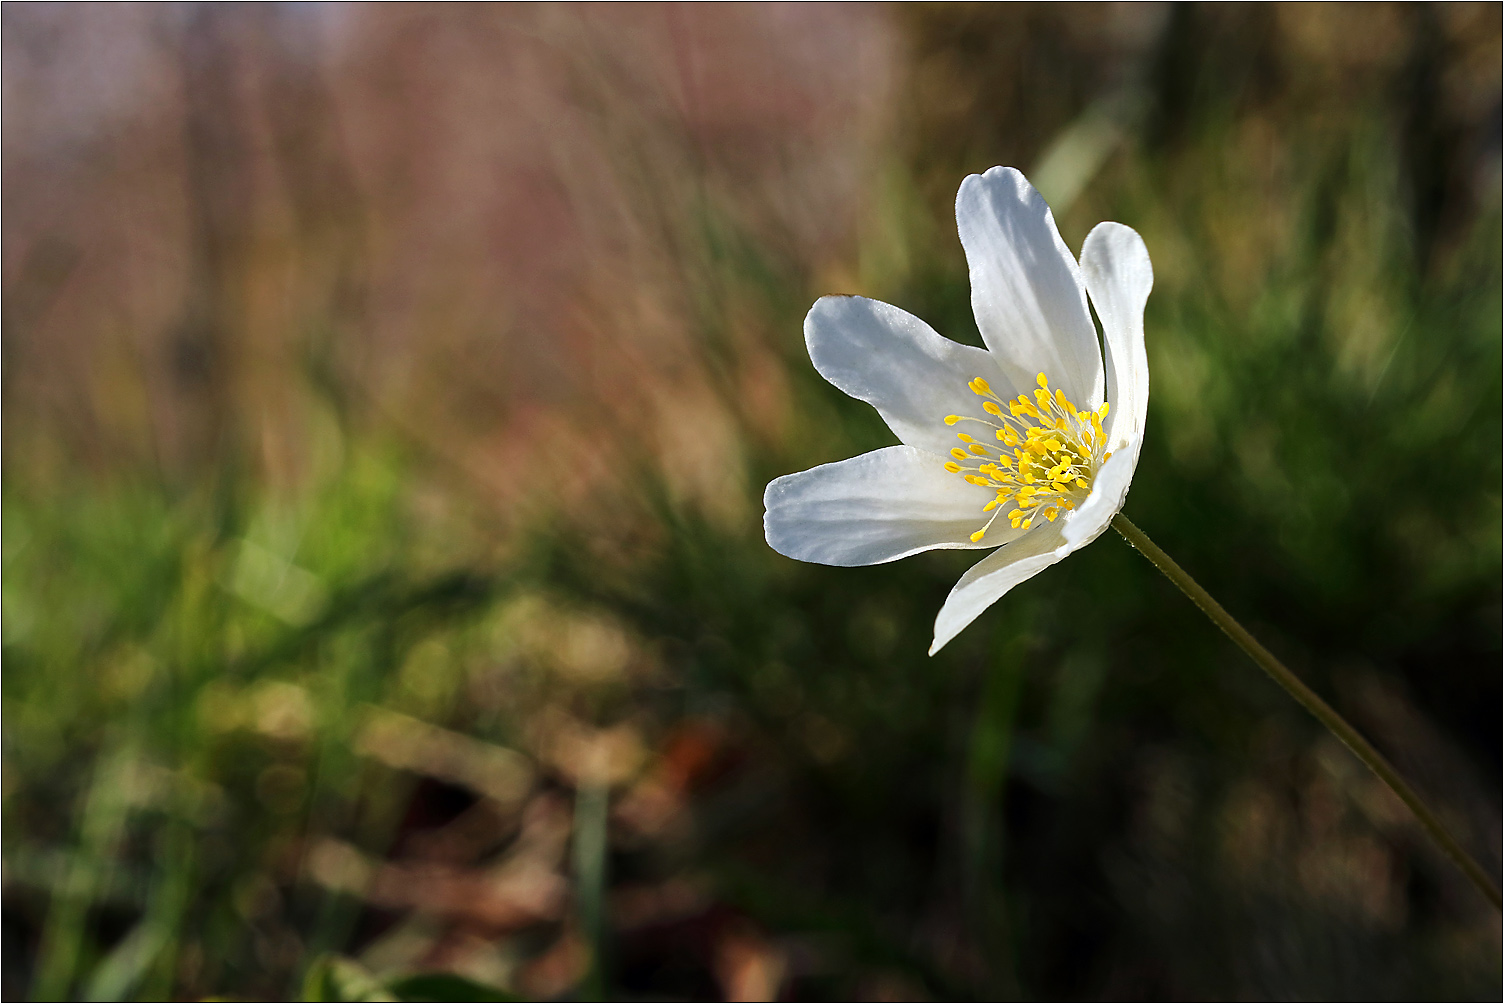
{"points": [[1047, 455]]}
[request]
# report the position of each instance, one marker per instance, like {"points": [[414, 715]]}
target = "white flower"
{"points": [[1014, 445]]}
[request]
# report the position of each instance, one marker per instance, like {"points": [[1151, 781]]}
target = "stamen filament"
{"points": [[1054, 453]]}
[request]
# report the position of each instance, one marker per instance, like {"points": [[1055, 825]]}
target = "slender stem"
{"points": [[1311, 702]]}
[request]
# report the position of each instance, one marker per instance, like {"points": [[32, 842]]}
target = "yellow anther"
{"points": [[1102, 411], [1054, 453]]}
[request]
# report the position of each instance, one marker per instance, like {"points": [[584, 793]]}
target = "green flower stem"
{"points": [[1311, 702]]}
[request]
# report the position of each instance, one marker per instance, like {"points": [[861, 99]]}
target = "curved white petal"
{"points": [[877, 507], [986, 581], [1026, 288], [1118, 276], [895, 362], [1109, 489]]}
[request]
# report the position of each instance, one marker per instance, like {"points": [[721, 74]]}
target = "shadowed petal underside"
{"points": [[895, 362]]}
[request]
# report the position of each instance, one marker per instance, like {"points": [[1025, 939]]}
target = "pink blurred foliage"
{"points": [[492, 229]]}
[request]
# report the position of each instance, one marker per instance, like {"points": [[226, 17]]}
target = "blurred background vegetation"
{"points": [[388, 395]]}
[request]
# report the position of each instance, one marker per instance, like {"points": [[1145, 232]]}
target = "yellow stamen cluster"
{"points": [[1049, 452]]}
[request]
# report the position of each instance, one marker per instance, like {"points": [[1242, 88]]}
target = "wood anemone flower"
{"points": [[1027, 446]]}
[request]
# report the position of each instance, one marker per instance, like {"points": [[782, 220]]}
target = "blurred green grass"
{"points": [[1088, 794]]}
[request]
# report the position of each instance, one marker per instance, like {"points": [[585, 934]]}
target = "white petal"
{"points": [[986, 581], [895, 362], [877, 507], [1118, 275], [1026, 288], [1109, 488]]}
